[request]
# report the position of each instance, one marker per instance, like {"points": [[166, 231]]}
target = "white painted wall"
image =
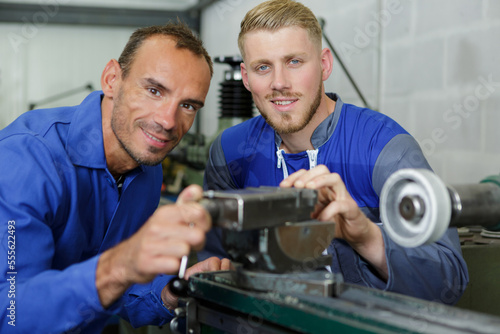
{"points": [[432, 65], [38, 61]]}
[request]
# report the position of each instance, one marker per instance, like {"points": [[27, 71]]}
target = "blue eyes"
{"points": [[264, 68]]}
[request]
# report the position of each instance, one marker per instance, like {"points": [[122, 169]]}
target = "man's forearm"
{"points": [[373, 251], [111, 281]]}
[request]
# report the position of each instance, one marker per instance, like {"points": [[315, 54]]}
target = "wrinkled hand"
{"points": [[210, 264], [170, 233], [336, 204]]}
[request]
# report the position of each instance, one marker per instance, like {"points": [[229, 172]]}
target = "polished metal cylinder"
{"points": [[475, 204]]}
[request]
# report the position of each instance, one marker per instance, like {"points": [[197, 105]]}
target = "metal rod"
{"points": [[56, 12], [61, 95], [476, 204]]}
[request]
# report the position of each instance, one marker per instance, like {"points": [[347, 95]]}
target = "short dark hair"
{"points": [[179, 31]]}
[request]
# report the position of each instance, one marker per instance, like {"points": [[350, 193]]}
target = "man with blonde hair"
{"points": [[305, 137]]}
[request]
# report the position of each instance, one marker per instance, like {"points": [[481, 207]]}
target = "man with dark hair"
{"points": [[185, 39], [83, 237], [307, 138]]}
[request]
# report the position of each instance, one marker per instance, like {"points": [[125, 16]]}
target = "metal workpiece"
{"points": [[294, 247], [270, 229], [313, 283], [416, 206], [259, 207]]}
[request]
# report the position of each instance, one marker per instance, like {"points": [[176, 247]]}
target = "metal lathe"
{"points": [[280, 284]]}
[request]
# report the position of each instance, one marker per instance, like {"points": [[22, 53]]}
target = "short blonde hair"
{"points": [[275, 14]]}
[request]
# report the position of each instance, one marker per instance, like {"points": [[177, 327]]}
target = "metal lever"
{"points": [[179, 286]]}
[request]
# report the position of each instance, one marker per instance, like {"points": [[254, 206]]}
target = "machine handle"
{"points": [[179, 286]]}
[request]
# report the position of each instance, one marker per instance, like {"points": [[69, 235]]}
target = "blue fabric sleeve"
{"points": [[44, 298], [402, 151], [141, 304], [435, 272], [217, 174], [33, 198]]}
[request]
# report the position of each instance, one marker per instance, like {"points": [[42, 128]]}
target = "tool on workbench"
{"points": [[270, 229]]}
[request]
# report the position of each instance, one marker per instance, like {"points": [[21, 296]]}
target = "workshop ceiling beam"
{"points": [[102, 16]]}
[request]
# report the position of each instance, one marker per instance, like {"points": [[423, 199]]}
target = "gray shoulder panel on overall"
{"points": [[326, 128], [402, 151], [217, 174]]}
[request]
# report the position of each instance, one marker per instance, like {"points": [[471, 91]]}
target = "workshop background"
{"points": [[432, 65]]}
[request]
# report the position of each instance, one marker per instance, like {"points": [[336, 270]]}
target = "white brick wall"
{"points": [[438, 66]]}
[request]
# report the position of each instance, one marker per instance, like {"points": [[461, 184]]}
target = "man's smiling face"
{"points": [[283, 71], [157, 101]]}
